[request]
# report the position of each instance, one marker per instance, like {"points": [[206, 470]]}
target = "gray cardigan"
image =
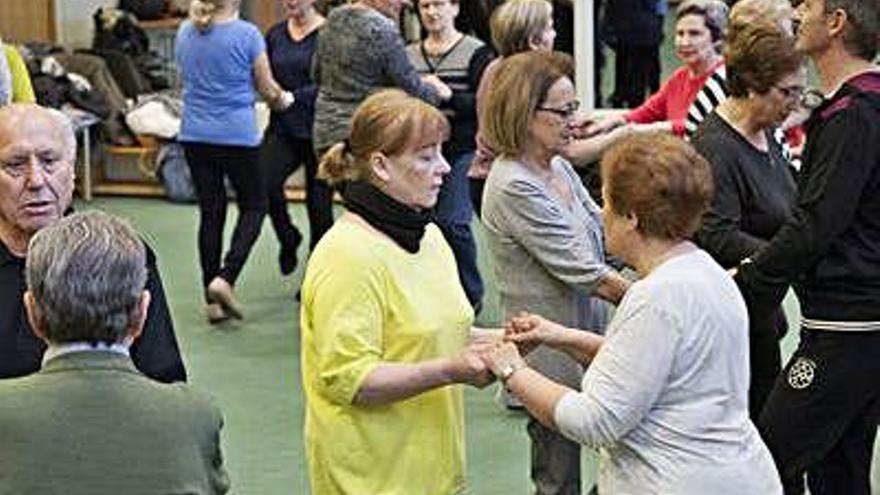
{"points": [[359, 52], [548, 256]]}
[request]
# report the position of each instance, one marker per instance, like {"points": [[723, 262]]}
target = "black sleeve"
{"points": [[721, 234], [838, 167], [156, 352], [478, 63]]}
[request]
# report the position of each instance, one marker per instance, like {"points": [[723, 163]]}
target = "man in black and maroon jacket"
{"points": [[821, 417]]}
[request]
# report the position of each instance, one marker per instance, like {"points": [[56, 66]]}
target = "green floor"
{"points": [[252, 368]]}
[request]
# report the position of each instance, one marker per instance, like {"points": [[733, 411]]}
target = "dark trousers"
{"points": [[282, 155], [454, 213], [209, 165], [556, 461], [636, 74], [821, 417], [477, 186], [764, 358]]}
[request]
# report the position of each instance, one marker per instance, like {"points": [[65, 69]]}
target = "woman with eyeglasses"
{"points": [[544, 232], [755, 186]]}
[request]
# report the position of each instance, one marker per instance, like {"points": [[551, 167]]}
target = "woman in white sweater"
{"points": [[665, 395]]}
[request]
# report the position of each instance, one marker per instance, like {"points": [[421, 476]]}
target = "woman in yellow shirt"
{"points": [[385, 321]]}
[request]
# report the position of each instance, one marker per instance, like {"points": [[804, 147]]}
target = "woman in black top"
{"points": [[288, 142], [754, 183]]}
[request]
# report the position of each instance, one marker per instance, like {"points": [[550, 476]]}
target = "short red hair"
{"points": [[660, 179]]}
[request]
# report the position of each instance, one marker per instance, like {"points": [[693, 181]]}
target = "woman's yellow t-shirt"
{"points": [[365, 301]]}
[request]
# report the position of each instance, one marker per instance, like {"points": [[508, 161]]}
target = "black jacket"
{"points": [[829, 248]]}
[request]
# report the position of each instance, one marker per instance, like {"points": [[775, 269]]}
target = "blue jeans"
{"points": [[454, 214]]}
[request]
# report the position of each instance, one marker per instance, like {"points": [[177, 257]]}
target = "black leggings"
{"points": [[209, 164], [281, 156]]}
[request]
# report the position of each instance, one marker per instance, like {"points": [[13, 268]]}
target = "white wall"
{"points": [[74, 18]]}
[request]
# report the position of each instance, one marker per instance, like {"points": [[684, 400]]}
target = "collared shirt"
{"points": [[56, 350], [155, 353]]}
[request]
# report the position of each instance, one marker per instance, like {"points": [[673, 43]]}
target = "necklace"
{"points": [[434, 59]]}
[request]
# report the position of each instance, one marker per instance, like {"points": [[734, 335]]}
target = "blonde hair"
{"points": [[388, 122], [519, 87], [517, 22], [202, 12], [747, 12]]}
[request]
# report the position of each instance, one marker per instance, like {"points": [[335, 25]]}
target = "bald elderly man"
{"points": [[37, 154]]}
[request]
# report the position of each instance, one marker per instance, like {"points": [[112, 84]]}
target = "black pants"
{"points": [[764, 358], [821, 417], [636, 74], [209, 165], [282, 155]]}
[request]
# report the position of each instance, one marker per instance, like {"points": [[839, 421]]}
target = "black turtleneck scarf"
{"points": [[403, 224]]}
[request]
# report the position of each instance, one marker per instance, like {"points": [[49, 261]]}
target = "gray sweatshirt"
{"points": [[666, 396]]}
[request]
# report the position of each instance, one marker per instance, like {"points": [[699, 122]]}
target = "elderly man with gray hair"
{"points": [[37, 152], [89, 422]]}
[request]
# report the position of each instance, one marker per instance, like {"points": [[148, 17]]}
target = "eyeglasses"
{"points": [[565, 112]]}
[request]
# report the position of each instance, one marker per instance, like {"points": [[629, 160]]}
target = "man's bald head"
{"points": [[37, 153], [53, 121]]}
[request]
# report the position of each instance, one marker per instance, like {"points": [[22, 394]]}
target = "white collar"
{"points": [[56, 350]]}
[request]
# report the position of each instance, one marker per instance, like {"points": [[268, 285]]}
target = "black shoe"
{"points": [[287, 258]]}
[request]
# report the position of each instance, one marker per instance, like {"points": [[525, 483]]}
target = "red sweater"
{"points": [[672, 101]]}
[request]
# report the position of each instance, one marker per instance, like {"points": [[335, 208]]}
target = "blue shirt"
{"points": [[219, 92], [291, 63]]}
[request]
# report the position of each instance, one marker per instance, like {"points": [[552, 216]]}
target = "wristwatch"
{"points": [[509, 369]]}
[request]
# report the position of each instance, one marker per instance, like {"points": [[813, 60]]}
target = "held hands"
{"points": [[470, 368], [491, 352], [528, 331], [502, 359]]}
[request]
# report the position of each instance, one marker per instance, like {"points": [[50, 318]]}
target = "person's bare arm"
{"points": [[392, 382], [538, 393], [269, 89], [528, 331]]}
